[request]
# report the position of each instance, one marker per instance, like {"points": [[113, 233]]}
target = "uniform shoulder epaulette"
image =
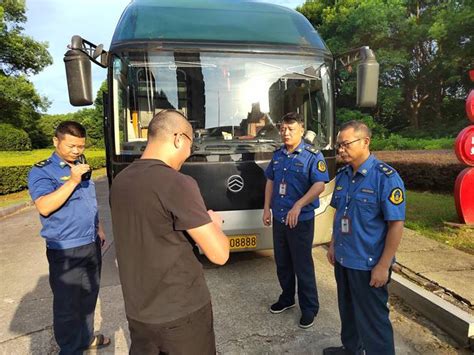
{"points": [[386, 169], [43, 163], [311, 149], [278, 148], [341, 169]]}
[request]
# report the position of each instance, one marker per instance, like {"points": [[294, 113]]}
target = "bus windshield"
{"points": [[234, 101]]}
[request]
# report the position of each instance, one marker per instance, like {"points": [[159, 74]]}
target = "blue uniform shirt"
{"points": [[299, 170], [73, 224], [370, 198]]}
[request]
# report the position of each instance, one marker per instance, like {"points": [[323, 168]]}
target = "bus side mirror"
{"points": [[79, 77], [78, 69], [367, 79]]}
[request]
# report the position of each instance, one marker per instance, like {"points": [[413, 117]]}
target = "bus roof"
{"points": [[214, 21]]}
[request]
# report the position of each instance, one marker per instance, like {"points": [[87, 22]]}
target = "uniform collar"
{"points": [[365, 167], [298, 149], [58, 161]]}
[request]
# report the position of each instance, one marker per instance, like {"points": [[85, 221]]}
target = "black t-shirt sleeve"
{"points": [[186, 205]]}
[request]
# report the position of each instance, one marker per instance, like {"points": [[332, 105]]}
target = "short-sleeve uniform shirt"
{"points": [[370, 198], [152, 207], [74, 223], [298, 171]]}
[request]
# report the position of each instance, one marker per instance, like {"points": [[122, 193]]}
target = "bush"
{"points": [[426, 176], [96, 162], [12, 138], [47, 125], [90, 118], [397, 142], [345, 115], [15, 178]]}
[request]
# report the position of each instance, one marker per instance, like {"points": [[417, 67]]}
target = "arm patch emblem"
{"points": [[322, 166], [396, 196]]}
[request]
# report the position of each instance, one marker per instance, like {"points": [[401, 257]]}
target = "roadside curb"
{"points": [[7, 211], [453, 320]]}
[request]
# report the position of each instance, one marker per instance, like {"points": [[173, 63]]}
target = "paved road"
{"points": [[241, 292]]}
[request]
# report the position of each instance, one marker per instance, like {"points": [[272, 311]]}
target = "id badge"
{"points": [[345, 225], [283, 188]]}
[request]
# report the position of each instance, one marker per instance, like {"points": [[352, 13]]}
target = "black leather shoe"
{"points": [[306, 320], [280, 307]]}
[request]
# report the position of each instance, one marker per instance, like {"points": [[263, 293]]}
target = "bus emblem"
{"points": [[235, 183]]}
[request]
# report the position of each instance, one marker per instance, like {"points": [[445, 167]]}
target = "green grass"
{"points": [[426, 213], [34, 156]]}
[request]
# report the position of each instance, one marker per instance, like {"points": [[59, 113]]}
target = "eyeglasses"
{"points": [[345, 145], [193, 147]]}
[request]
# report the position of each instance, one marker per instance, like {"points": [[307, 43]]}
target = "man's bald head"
{"points": [[168, 122]]}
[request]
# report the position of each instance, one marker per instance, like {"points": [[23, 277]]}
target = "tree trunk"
{"points": [[414, 116]]}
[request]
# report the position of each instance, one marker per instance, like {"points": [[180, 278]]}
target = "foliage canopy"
{"points": [[20, 56], [425, 49]]}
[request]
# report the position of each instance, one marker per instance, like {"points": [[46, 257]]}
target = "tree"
{"points": [[424, 48], [90, 118], [99, 99], [350, 24], [94, 118], [47, 125], [20, 56]]}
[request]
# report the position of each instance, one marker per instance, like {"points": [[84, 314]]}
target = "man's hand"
{"points": [[330, 253], [267, 217], [77, 171], [211, 240], [101, 235], [216, 219], [292, 216], [379, 276]]}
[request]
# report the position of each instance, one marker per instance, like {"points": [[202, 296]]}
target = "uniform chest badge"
{"points": [[65, 178], [322, 166], [396, 196], [338, 188]]}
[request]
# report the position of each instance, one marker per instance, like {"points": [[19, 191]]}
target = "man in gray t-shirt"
{"points": [[154, 206]]}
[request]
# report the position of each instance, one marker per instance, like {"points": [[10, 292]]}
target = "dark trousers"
{"points": [[293, 257], [365, 322], [192, 334], [74, 276]]}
